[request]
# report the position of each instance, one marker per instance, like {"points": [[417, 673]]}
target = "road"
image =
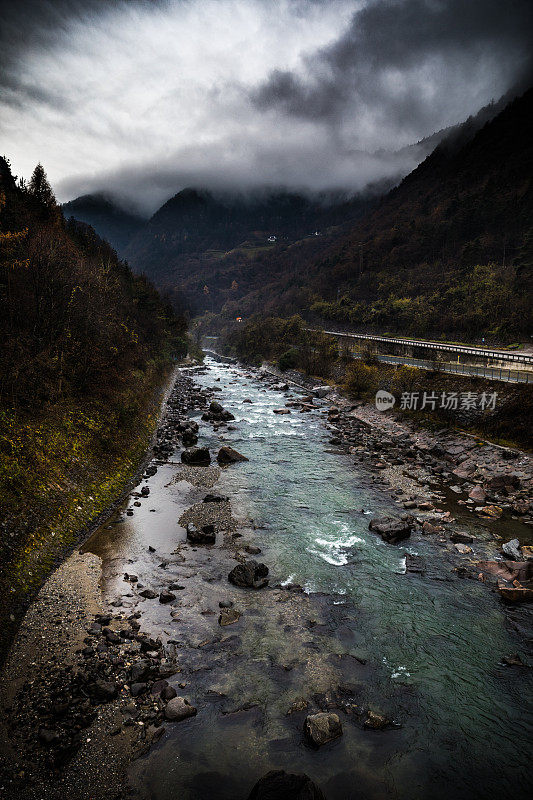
{"points": [[516, 357], [492, 373]]}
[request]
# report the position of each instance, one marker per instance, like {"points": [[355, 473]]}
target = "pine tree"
{"points": [[40, 188]]}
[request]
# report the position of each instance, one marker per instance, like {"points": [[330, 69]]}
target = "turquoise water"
{"points": [[431, 644]]}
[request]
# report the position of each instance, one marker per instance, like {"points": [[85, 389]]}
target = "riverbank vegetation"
{"points": [[285, 341], [86, 346], [447, 254], [289, 345]]}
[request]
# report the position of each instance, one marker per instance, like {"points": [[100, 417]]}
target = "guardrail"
{"points": [[480, 352], [492, 373]]}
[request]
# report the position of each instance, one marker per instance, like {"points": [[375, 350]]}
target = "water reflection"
{"points": [[425, 649]]}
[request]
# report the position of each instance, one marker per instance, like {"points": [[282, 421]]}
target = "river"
{"points": [[423, 649]]}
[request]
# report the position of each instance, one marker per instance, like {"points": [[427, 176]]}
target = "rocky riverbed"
{"points": [[195, 629]]}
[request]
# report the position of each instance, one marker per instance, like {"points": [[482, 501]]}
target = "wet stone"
{"points": [[322, 728], [178, 709], [250, 574]]}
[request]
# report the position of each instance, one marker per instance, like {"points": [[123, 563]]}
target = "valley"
{"points": [[379, 633]]}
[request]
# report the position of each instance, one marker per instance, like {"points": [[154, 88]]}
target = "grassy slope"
{"points": [[59, 471]]}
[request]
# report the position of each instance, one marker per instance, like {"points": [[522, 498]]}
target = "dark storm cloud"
{"points": [[139, 98], [397, 54]]}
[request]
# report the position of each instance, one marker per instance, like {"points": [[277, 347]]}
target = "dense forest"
{"points": [[448, 252], [86, 345], [75, 321]]}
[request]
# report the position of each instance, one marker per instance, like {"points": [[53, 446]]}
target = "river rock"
{"points": [[281, 785], [376, 722], [105, 690], [140, 671], [215, 498], [461, 538], [414, 563], [179, 708], [477, 494], [206, 534], [492, 511], [322, 728], [227, 455], [215, 407], [501, 483], [428, 528], [196, 456], [189, 439], [321, 391], [149, 594], [512, 549], [250, 575], [166, 597], [228, 616], [390, 529]]}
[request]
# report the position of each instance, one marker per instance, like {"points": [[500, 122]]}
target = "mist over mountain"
{"points": [[449, 249], [113, 223], [202, 242]]}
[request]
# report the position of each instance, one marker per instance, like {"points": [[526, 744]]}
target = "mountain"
{"points": [[111, 222], [198, 237], [448, 250]]}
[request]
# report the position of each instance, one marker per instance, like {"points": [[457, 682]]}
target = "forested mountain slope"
{"points": [[197, 237], [86, 345], [447, 251], [111, 222]]}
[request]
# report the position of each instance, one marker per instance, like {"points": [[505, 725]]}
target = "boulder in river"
{"points": [[477, 494], [281, 785], [390, 529], [228, 616], [322, 728], [215, 498], [461, 538], [206, 534], [179, 708], [166, 597], [512, 550], [414, 563], [249, 575], [149, 594], [189, 438], [227, 455], [196, 456], [376, 722]]}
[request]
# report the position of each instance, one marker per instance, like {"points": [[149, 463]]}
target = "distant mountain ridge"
{"points": [[449, 249], [278, 252], [109, 220]]}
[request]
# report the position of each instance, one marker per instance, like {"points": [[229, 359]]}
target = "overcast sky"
{"points": [[144, 97]]}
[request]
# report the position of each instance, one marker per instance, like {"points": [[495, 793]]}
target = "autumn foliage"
{"points": [[74, 320]]}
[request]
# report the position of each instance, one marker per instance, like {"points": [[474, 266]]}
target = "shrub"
{"points": [[288, 360], [361, 379]]}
